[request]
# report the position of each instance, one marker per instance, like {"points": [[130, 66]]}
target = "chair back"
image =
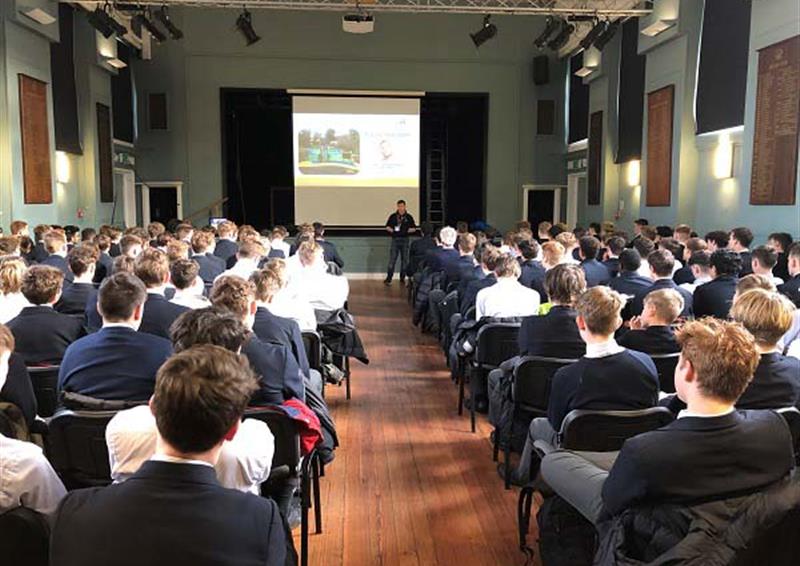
{"points": [[45, 388], [313, 345], [496, 342], [24, 538], [606, 431], [533, 376], [287, 437], [665, 366], [76, 446], [792, 417]]}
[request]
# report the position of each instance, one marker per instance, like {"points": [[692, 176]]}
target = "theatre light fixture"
{"points": [[607, 35], [593, 34], [244, 23], [561, 39], [487, 32], [143, 20], [101, 20], [162, 15], [550, 26]]}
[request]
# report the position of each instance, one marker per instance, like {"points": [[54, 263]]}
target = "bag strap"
{"points": [[524, 504]]}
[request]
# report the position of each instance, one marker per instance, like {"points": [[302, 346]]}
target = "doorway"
{"points": [[125, 185], [162, 202], [542, 203]]}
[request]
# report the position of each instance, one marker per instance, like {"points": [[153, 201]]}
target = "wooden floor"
{"points": [[410, 484]]}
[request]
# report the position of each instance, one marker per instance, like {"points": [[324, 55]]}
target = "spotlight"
{"points": [[606, 36], [244, 23], [593, 34], [163, 17], [487, 32], [561, 39], [103, 22], [550, 26], [144, 22]]}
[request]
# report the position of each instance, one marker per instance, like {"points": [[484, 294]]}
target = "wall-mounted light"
{"points": [[115, 62], [39, 16], [62, 167], [663, 17], [723, 157], [633, 173], [657, 27]]}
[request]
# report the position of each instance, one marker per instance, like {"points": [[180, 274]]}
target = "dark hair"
{"points": [[644, 246], [596, 227], [766, 256], [719, 237], [232, 293], [783, 238], [200, 394], [426, 227], [555, 230], [615, 245], [726, 262], [88, 234], [401, 201], [701, 258], [579, 232], [70, 230], [673, 245], [81, 258], [664, 231], [123, 264], [41, 284], [662, 262], [565, 283], [529, 249], [590, 246], [630, 260], [212, 325], [119, 296], [319, 229], [743, 235], [183, 273], [641, 221]]}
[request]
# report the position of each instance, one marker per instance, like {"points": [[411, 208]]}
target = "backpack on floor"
{"points": [[566, 538]]}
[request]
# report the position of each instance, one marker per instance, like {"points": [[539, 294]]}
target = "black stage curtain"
{"points": [[65, 96], [122, 97], [578, 102], [630, 97]]}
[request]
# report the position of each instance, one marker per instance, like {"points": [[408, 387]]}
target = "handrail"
{"points": [[214, 205]]}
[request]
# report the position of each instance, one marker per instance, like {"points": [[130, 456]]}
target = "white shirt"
{"points": [[11, 305], [644, 269], [603, 349], [190, 300], [244, 463], [243, 268], [506, 298], [293, 308], [687, 413], [792, 336], [320, 289], [697, 282], [282, 246], [27, 479]]}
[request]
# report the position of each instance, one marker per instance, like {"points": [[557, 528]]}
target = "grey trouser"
{"points": [[540, 429], [578, 477]]}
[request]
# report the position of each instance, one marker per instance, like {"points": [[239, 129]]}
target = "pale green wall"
{"points": [[309, 50]]}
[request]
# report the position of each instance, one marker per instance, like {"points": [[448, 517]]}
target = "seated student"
{"points": [[116, 235], [226, 246], [469, 288], [247, 260], [122, 264], [608, 377], [717, 240], [117, 363], [684, 274], [711, 452], [176, 249], [768, 316], [466, 261], [12, 301], [287, 305], [570, 243], [198, 404], [629, 283], [438, 258], [662, 265], [552, 254], [189, 287], [532, 271], [278, 241], [781, 242], [419, 248], [152, 267], [184, 232], [42, 334], [55, 243], [154, 230], [791, 287], [596, 272], [614, 247], [740, 240], [715, 297], [700, 265], [131, 245], [26, 477], [280, 376], [543, 231], [762, 261], [676, 249], [645, 247], [507, 298], [18, 388], [651, 332], [312, 283], [82, 263], [210, 265], [331, 254]]}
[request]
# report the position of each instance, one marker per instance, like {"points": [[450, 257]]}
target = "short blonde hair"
{"points": [[201, 241], [18, 226], [12, 272], [266, 282], [600, 309], [507, 266], [765, 314], [54, 240], [177, 249], [754, 281], [226, 229], [553, 253], [308, 252], [567, 239], [467, 242], [668, 304], [152, 267], [250, 249]]}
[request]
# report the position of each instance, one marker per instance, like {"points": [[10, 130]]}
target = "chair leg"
{"points": [[471, 402], [507, 450], [496, 447], [347, 376], [317, 464], [460, 394]]}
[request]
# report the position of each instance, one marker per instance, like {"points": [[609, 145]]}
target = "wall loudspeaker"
{"points": [[541, 70]]}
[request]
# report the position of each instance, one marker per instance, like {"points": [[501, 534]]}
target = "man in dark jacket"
{"points": [[715, 297], [200, 397]]}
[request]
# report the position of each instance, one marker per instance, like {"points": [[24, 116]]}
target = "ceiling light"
{"points": [[103, 22], [561, 39], [143, 21], [657, 27], [593, 34], [487, 32], [550, 27], [244, 23], [606, 36], [40, 16], [163, 17]]}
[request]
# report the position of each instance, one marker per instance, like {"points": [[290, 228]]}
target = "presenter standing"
{"points": [[400, 224]]}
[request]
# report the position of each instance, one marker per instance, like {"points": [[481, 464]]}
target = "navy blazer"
{"points": [[272, 328], [456, 270], [418, 252], [715, 297], [791, 288], [92, 316], [637, 306], [612, 264], [624, 381], [38, 253], [168, 513], [280, 377], [781, 268], [695, 459], [211, 267], [18, 388], [532, 275], [331, 253], [554, 335], [42, 334], [471, 293], [683, 275], [74, 298], [775, 384], [629, 283], [747, 263], [226, 249], [651, 340], [116, 363], [59, 263], [159, 314], [438, 258], [596, 273], [115, 250]]}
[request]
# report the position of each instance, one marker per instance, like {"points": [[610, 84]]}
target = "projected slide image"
{"points": [[328, 152]]}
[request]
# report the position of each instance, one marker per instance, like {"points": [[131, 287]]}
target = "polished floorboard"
{"points": [[410, 484]]}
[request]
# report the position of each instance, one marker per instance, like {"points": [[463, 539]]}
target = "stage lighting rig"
{"points": [[607, 35], [599, 28], [162, 15], [487, 32], [561, 39], [550, 27], [101, 20], [244, 23], [142, 20]]}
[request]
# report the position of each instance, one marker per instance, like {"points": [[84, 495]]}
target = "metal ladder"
{"points": [[436, 172]]}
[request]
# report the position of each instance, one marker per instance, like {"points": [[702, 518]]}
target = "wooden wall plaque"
{"points": [[35, 134], [105, 163], [595, 167], [659, 145], [777, 124]]}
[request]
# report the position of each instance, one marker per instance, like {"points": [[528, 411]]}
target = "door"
{"points": [[541, 206], [124, 184], [163, 204]]}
